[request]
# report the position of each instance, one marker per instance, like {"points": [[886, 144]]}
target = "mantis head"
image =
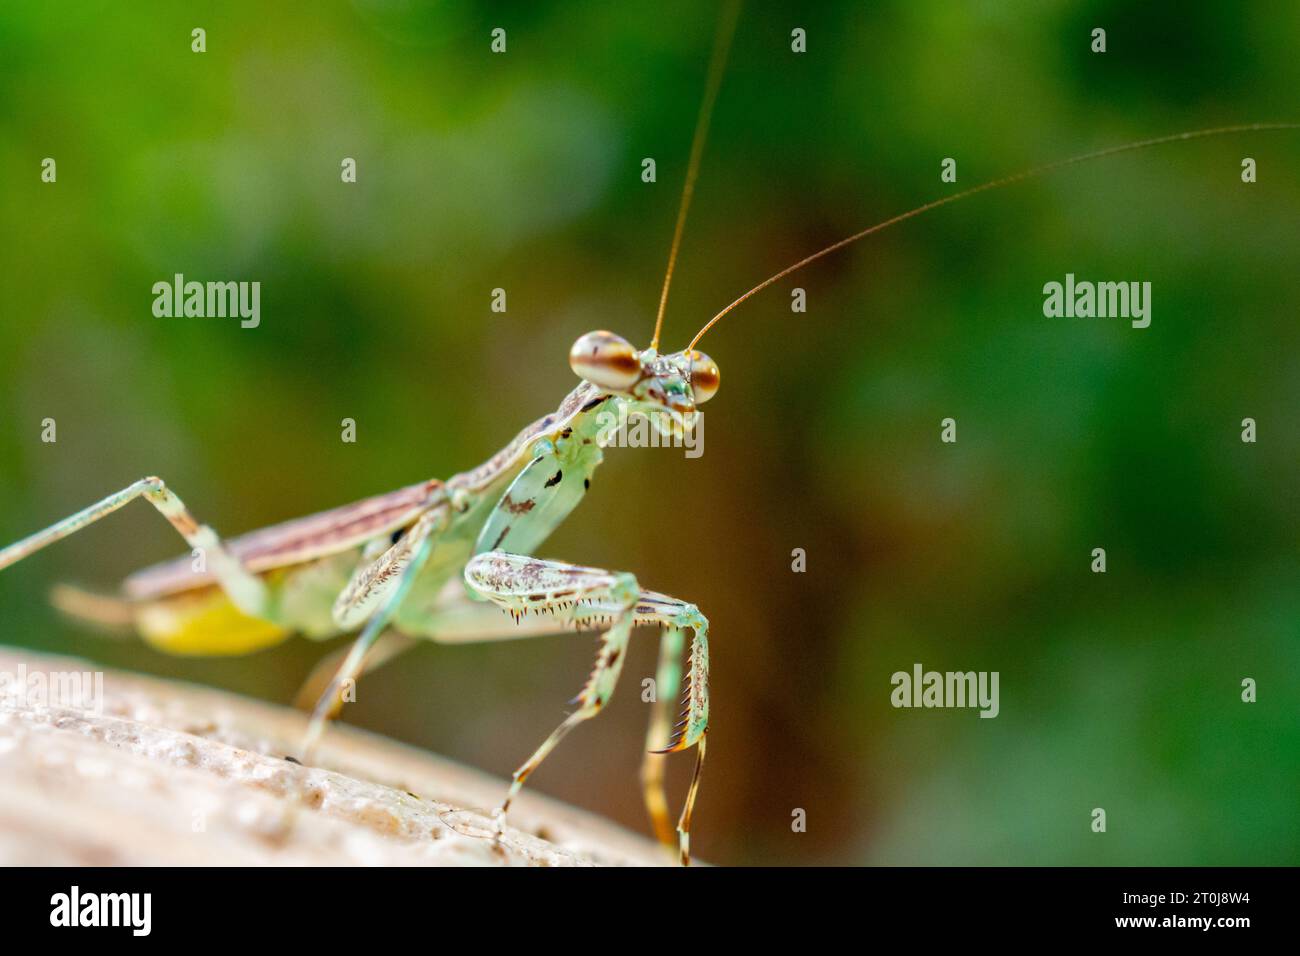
{"points": [[674, 383]]}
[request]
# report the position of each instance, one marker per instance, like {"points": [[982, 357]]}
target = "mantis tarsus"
{"points": [[442, 559]]}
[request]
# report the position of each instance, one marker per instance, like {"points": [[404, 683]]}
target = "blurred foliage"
{"points": [[523, 171]]}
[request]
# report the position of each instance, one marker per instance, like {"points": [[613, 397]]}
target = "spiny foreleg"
{"points": [[587, 598]]}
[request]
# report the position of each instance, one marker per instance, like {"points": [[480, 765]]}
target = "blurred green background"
{"points": [[522, 171]]}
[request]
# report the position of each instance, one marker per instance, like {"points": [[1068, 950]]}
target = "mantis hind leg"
{"points": [[592, 597], [245, 589]]}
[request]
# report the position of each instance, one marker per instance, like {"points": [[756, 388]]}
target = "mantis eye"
{"points": [[606, 360], [705, 377]]}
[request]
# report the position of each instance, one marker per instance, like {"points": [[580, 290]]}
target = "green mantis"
{"points": [[455, 561], [442, 560]]}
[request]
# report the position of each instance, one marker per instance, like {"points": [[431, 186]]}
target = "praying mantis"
{"points": [[454, 561]]}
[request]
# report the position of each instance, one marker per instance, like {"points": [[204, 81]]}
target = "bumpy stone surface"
{"points": [[169, 773]]}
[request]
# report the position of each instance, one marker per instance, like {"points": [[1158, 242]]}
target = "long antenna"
{"points": [[984, 187], [721, 44]]}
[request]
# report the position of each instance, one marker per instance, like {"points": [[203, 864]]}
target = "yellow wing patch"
{"points": [[204, 623]]}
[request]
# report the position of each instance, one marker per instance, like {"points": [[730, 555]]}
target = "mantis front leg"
{"points": [[592, 597]]}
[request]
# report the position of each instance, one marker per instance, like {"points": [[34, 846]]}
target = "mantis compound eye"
{"points": [[606, 360], [704, 376]]}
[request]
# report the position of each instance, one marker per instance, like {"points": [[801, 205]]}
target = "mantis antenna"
{"points": [[721, 44], [985, 187]]}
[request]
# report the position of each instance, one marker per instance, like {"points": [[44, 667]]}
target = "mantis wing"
{"points": [[298, 540]]}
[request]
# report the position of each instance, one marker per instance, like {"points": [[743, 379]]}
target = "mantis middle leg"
{"points": [[374, 594]]}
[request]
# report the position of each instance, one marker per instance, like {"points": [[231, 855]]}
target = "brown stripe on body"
{"points": [[302, 539]]}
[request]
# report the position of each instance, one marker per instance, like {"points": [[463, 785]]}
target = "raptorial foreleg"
{"points": [[593, 597]]}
